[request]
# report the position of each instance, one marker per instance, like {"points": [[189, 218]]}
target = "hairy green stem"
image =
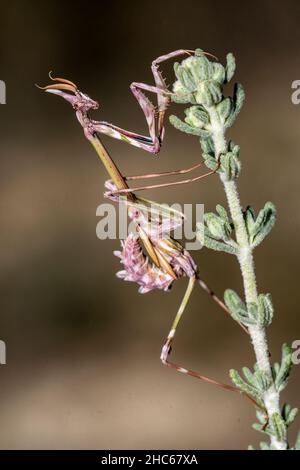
{"points": [[245, 258]]}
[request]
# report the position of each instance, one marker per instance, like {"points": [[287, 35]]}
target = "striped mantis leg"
{"points": [[154, 115], [167, 347]]}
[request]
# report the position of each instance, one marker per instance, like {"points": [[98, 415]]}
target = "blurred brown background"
{"points": [[83, 367]]}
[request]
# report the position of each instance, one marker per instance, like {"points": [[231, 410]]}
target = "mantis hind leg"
{"points": [[167, 347]]}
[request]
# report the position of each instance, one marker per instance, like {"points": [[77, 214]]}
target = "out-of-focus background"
{"points": [[83, 367]]}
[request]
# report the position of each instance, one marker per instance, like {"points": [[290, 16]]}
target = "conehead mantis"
{"points": [[165, 259]]}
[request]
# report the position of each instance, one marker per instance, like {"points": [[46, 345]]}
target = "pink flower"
{"points": [[138, 268]]}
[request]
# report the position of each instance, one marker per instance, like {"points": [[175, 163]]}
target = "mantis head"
{"points": [[69, 91]]}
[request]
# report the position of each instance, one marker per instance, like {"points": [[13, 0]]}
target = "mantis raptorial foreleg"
{"points": [[153, 142], [82, 104], [156, 129]]}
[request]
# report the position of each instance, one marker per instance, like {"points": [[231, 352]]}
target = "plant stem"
{"points": [[245, 258]]}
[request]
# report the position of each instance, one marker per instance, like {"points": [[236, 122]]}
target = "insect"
{"points": [[151, 257]]}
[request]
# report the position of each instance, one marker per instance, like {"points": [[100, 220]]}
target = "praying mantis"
{"points": [[151, 258]]}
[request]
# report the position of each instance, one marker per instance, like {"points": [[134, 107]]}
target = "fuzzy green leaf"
{"points": [[263, 225], [182, 126], [265, 309], [230, 66], [230, 166], [207, 146], [263, 379], [218, 228], [233, 301], [238, 100], [289, 414], [224, 109], [238, 308], [210, 162], [219, 73], [245, 387], [249, 217], [249, 376], [285, 367], [222, 212], [206, 240], [278, 426]]}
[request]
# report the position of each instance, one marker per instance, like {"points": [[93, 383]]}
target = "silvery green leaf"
{"points": [[207, 146], [182, 98], [292, 416], [179, 69], [263, 379], [180, 93], [249, 376], [264, 223], [223, 213], [234, 148], [219, 246], [214, 225], [249, 217], [215, 90], [234, 304], [208, 93], [230, 67], [238, 309], [278, 426], [244, 386], [224, 109], [285, 367], [230, 166], [201, 68], [210, 162], [203, 237], [238, 100], [218, 73], [186, 79], [265, 309], [218, 228], [233, 301], [275, 369], [289, 414], [252, 313], [196, 116], [184, 127]]}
